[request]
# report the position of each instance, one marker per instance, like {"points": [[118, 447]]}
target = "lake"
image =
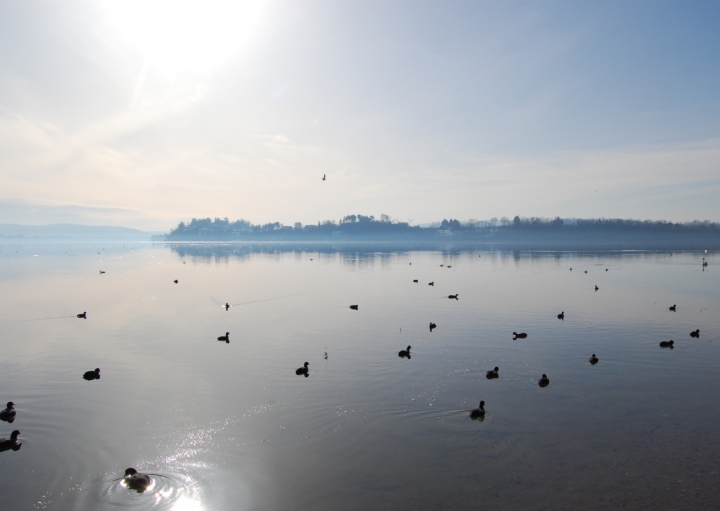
{"points": [[231, 426]]}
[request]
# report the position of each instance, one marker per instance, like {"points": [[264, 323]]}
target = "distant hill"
{"points": [[70, 231]]}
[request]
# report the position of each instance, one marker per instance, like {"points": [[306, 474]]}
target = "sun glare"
{"points": [[183, 38]]}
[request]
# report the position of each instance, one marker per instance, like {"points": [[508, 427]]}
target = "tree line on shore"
{"points": [[361, 225]]}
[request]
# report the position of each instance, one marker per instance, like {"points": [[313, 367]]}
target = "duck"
{"points": [[323, 177], [453, 297], [227, 306], [479, 412], [561, 315], [415, 280], [354, 307], [136, 480], [695, 333], [303, 371], [10, 443], [441, 265], [570, 269], [544, 381], [449, 266], [704, 263], [596, 288], [490, 375], [585, 271], [225, 337], [175, 281], [606, 269], [83, 315], [404, 353], [667, 344], [92, 375], [101, 272], [8, 414], [672, 308], [516, 335], [594, 360], [432, 325], [431, 284]]}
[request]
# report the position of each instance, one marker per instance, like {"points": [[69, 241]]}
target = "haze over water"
{"points": [[231, 426]]}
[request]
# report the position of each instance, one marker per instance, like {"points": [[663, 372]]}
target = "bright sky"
{"points": [[144, 113]]}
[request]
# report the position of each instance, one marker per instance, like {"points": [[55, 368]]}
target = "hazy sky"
{"points": [[145, 113]]}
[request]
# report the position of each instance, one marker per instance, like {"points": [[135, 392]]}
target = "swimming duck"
{"points": [[432, 325], [594, 360], [585, 271], [8, 414], [404, 353], [695, 334], [354, 307], [544, 381], [519, 336], [431, 284], [561, 315], [449, 266], [453, 297], [479, 412], [136, 480], [176, 281], [303, 371], [415, 280], [83, 315], [596, 288], [672, 308], [667, 344], [704, 263], [225, 337], [490, 375], [101, 272], [570, 269], [227, 306], [441, 265], [92, 375], [10, 443]]}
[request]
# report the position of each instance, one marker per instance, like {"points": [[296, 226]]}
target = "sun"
{"points": [[179, 39]]}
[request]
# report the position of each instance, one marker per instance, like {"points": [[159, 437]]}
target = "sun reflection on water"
{"points": [[187, 504]]}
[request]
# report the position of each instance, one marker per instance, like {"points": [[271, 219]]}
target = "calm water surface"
{"points": [[230, 426]]}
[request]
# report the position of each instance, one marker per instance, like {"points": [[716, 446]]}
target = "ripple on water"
{"points": [[175, 491]]}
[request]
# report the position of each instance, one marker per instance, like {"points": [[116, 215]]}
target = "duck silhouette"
{"points": [[8, 414], [585, 271], [323, 177], [354, 307], [101, 272], [227, 306], [92, 375], [303, 371], [596, 288], [516, 335], [415, 280], [479, 412], [136, 480], [175, 281], [10, 443], [561, 315], [594, 360], [83, 315], [695, 333], [453, 297], [431, 283], [673, 308], [404, 353], [667, 344], [225, 337], [704, 263], [544, 381], [491, 375], [432, 325]]}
